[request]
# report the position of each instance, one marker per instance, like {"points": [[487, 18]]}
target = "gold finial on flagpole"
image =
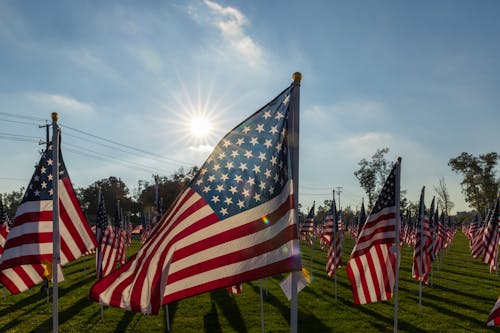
{"points": [[297, 76], [55, 116]]}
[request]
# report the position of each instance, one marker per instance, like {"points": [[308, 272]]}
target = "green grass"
{"points": [[462, 294]]}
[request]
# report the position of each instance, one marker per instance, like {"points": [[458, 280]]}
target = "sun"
{"points": [[200, 127]]}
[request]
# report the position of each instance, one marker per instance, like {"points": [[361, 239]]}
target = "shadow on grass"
{"points": [[64, 315], [230, 309], [307, 322], [379, 327], [211, 321]]}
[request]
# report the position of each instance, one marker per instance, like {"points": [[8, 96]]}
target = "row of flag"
{"points": [[484, 238], [236, 221]]}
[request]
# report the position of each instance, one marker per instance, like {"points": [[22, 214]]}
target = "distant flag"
{"points": [[137, 230], [491, 239], [335, 251], [421, 260], [236, 289], [372, 266], [308, 226], [101, 226], [235, 221], [30, 239], [119, 234], [328, 224], [362, 217]]}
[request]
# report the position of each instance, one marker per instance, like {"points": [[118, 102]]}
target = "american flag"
{"points": [[237, 289], [335, 250], [494, 317], [109, 249], [372, 266], [440, 236], [362, 217], [491, 239], [20, 278], [326, 236], [101, 223], [30, 238], [421, 260], [308, 226], [235, 221], [433, 218]]}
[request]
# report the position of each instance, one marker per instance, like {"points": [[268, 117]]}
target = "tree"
{"points": [[169, 188], [479, 184], [113, 189], [443, 197], [372, 174], [11, 201]]}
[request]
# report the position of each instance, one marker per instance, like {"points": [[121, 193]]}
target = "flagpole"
{"points": [[335, 223], [294, 147], [396, 244], [261, 308], [421, 217], [55, 222], [167, 318]]}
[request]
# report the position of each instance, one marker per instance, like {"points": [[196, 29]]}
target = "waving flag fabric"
{"points": [[421, 260], [101, 227], [235, 221], [308, 226], [30, 238], [491, 239], [372, 266]]}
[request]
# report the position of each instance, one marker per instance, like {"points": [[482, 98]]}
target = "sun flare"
{"points": [[200, 127]]}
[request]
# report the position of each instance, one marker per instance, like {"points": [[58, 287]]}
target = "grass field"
{"points": [[462, 294]]}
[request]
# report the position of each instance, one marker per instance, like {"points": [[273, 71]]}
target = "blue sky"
{"points": [[421, 78]]}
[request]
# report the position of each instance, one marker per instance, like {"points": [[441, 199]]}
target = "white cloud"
{"points": [[61, 103], [202, 148], [231, 22]]}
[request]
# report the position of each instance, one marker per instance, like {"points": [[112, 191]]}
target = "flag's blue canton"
{"points": [[40, 187], [250, 165], [387, 196]]}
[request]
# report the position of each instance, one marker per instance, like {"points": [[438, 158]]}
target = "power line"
{"points": [[101, 156], [128, 146], [21, 116], [18, 122]]}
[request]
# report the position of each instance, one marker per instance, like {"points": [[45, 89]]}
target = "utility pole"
{"points": [[339, 190]]}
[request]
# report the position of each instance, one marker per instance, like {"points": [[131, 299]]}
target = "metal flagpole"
{"points": [[261, 308], [421, 217], [99, 234], [294, 147], [167, 318], [55, 222], [334, 233], [396, 243], [84, 265]]}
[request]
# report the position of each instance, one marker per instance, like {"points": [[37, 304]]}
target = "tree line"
{"points": [[479, 186]]}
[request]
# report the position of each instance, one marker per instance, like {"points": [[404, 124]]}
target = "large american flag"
{"points": [[30, 238], [372, 266], [235, 222]]}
